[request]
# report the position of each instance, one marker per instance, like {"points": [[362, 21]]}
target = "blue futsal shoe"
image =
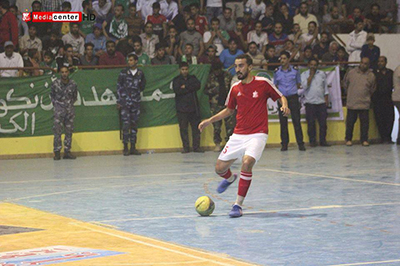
{"points": [[224, 184], [236, 211]]}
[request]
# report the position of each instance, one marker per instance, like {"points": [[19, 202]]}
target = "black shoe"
{"points": [[313, 144], [185, 151], [302, 147], [324, 144], [68, 155], [134, 151], [284, 147], [57, 156], [198, 150], [126, 150]]}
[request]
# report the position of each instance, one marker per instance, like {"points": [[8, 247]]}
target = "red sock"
{"points": [[226, 174], [244, 183]]}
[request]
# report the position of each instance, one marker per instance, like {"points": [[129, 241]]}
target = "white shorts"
{"points": [[239, 145]]}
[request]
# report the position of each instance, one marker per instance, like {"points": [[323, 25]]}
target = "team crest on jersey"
{"points": [[239, 94], [255, 94]]}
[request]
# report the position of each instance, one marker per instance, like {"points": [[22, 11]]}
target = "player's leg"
{"points": [[222, 168]]}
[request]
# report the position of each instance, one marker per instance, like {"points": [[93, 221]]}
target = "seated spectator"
{"points": [[172, 40], [200, 22], [180, 20], [313, 6], [271, 58], [76, 5], [248, 22], [254, 53], [169, 9], [213, 9], [193, 37], [101, 8], [134, 21], [51, 5], [88, 59], [311, 37], [32, 61], [334, 19], [216, 36], [210, 57], [159, 21], [22, 26], [189, 57], [143, 58], [30, 41], [226, 21], [115, 27], [48, 61], [259, 37], [356, 40], [68, 59], [239, 35], [145, 7], [9, 58], [86, 25], [340, 4], [374, 19], [304, 18], [161, 57], [331, 55], [257, 7], [284, 18], [371, 51], [322, 47], [111, 57], [229, 55], [357, 13], [278, 38], [53, 44], [307, 55], [125, 46], [45, 28], [97, 39], [295, 35], [149, 39], [292, 50], [8, 25], [267, 20], [75, 39]]}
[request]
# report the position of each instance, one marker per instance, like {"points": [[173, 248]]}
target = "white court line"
{"points": [[327, 176], [168, 249], [253, 212], [157, 263], [368, 263]]}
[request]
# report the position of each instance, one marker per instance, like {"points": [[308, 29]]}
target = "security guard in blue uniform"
{"points": [[131, 82], [288, 81]]}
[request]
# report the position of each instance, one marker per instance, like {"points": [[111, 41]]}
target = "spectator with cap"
{"points": [[216, 36], [229, 55], [159, 21], [30, 41], [193, 37], [304, 18], [201, 23], [111, 57], [75, 39], [259, 37], [9, 58], [210, 57], [134, 21], [149, 39], [97, 39], [371, 51], [356, 41], [8, 25], [161, 57], [248, 22]]}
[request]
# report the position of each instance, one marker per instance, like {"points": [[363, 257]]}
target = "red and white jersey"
{"points": [[250, 100]]}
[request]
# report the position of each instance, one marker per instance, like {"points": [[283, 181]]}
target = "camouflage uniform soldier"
{"points": [[217, 89], [64, 93], [131, 82]]}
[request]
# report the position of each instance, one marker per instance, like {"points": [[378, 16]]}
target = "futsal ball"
{"points": [[205, 206]]}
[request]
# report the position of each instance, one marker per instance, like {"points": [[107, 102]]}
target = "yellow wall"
{"points": [[164, 138]]}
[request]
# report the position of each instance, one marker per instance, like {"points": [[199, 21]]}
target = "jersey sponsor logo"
{"points": [[255, 94]]}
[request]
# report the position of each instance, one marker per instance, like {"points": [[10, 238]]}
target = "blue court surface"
{"points": [[326, 206]]}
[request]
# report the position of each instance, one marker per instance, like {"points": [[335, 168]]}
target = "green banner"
{"points": [[26, 109]]}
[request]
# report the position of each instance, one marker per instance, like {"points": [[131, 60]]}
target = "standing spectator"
{"points": [[30, 41], [8, 25], [68, 60], [216, 36], [239, 35], [278, 38], [331, 55], [159, 21], [334, 19], [172, 40], [382, 100], [217, 88], [75, 39], [257, 7], [288, 81], [115, 27], [131, 82], [143, 58], [226, 21], [64, 93], [271, 58], [304, 18], [210, 57], [101, 8], [248, 22], [187, 106], [161, 58], [311, 37], [236, 6], [322, 47], [213, 9], [134, 21], [396, 96], [22, 26], [259, 37], [145, 7], [88, 59], [51, 5], [169, 9], [256, 56], [360, 84], [97, 39], [53, 44], [371, 51], [356, 40], [200, 22], [284, 18], [111, 57], [188, 57], [9, 58], [193, 37], [316, 100], [86, 26], [267, 20], [229, 55], [149, 40]]}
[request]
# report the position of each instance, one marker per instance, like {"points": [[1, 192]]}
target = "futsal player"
{"points": [[249, 96]]}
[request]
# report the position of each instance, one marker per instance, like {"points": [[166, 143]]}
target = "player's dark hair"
{"points": [[249, 61]]}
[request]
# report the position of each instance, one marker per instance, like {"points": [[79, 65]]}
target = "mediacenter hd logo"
{"points": [[57, 17]]}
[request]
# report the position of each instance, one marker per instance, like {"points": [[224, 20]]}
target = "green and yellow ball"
{"points": [[205, 206]]}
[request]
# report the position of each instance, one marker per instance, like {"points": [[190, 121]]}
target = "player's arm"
{"points": [[221, 115], [285, 108]]}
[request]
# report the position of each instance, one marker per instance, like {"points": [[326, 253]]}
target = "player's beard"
{"points": [[242, 76]]}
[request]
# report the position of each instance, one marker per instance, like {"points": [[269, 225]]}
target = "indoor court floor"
{"points": [[326, 206]]}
